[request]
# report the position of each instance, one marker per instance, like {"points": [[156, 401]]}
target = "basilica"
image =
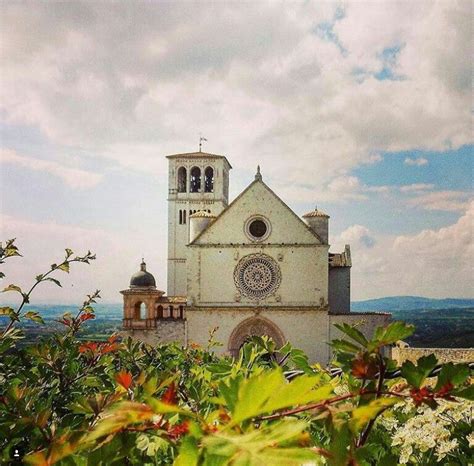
{"points": [[249, 267]]}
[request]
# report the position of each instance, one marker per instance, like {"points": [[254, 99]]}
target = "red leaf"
{"points": [[124, 378], [169, 397], [107, 348], [85, 317], [364, 367], [176, 431], [90, 346]]}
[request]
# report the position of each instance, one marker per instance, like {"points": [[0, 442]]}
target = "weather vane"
{"points": [[200, 141]]}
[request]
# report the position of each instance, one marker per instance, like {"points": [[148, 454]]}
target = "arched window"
{"points": [[209, 180], [184, 216], [139, 309], [195, 179], [159, 312], [182, 180], [171, 312], [180, 217]]}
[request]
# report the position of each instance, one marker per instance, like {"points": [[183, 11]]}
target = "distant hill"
{"points": [[405, 303]]}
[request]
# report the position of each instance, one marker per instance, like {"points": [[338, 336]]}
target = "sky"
{"points": [[360, 108]]}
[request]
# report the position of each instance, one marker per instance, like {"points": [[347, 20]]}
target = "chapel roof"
{"points": [[316, 213], [142, 278], [202, 214]]}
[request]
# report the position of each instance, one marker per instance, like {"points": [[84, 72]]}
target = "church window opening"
{"points": [[182, 178], [180, 217], [257, 228], [139, 311], [171, 312], [184, 216], [209, 180], [159, 312], [195, 180]]}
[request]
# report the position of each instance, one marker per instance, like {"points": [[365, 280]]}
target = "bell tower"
{"points": [[196, 181]]}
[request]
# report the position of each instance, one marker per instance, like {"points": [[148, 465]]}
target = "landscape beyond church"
{"points": [[252, 267]]}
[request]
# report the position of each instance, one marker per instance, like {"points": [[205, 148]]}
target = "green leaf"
{"points": [[50, 279], [271, 445], [363, 414], [188, 453], [64, 267], [393, 332], [69, 252], [346, 346], [12, 288], [466, 393], [34, 316], [270, 391], [416, 375], [455, 374], [353, 333], [7, 311]]}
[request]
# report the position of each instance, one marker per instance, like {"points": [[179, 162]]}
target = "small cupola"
{"points": [[143, 279], [318, 221], [198, 222]]}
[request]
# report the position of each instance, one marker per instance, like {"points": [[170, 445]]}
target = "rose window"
{"points": [[257, 276]]}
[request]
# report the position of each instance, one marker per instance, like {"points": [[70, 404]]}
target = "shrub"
{"points": [[68, 402]]}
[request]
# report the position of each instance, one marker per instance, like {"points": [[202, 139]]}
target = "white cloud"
{"points": [[356, 235], [417, 162], [416, 188], [255, 78], [42, 244], [450, 201], [73, 177], [435, 262]]}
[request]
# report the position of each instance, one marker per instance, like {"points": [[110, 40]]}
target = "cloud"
{"points": [[416, 188], [450, 201], [262, 81], [418, 162], [42, 244], [357, 235], [434, 262], [73, 177]]}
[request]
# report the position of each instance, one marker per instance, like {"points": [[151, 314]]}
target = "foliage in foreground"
{"points": [[63, 401]]}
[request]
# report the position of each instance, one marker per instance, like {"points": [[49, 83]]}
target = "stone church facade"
{"points": [[251, 267]]}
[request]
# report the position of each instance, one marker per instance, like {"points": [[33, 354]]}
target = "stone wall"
{"points": [[443, 355], [306, 329], [167, 331]]}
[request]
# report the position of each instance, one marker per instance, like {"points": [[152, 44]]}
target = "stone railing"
{"points": [[444, 355]]}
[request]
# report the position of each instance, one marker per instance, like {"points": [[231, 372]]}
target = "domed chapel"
{"points": [[251, 267]]}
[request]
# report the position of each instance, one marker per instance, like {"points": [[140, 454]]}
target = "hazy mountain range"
{"points": [[406, 303]]}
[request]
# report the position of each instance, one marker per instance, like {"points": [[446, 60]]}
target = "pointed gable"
{"points": [[258, 200]]}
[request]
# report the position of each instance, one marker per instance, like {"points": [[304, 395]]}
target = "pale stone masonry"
{"points": [[252, 267]]}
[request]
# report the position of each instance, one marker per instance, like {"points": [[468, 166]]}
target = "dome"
{"points": [[316, 213], [142, 279]]}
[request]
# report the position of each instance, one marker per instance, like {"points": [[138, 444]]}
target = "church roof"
{"points": [[258, 179], [202, 214], [316, 213], [204, 155]]}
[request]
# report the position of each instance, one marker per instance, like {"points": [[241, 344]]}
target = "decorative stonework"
{"points": [[257, 276], [254, 326]]}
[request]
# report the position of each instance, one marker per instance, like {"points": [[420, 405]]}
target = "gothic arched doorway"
{"points": [[254, 326]]}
